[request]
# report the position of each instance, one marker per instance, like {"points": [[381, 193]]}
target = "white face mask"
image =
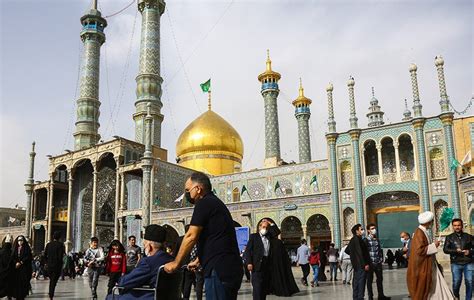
{"points": [[263, 231], [402, 240], [373, 231]]}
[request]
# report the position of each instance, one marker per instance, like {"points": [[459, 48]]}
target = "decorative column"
{"points": [[29, 189], [121, 230], [355, 134], [397, 161], [331, 138], [117, 197], [69, 211], [49, 232], [447, 117], [94, 200], [302, 114], [147, 163], [149, 80], [379, 160], [269, 80], [122, 191], [305, 232], [87, 123], [418, 124]]}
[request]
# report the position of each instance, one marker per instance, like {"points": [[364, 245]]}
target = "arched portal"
{"points": [[349, 222], [393, 212], [371, 158], [291, 232], [171, 236], [38, 238], [318, 231]]}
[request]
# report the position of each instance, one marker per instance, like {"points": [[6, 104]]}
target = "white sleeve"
{"points": [[431, 249]]}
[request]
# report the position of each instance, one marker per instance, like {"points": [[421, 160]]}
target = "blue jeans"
{"points": [[458, 271], [221, 290], [315, 273], [358, 284], [333, 270]]}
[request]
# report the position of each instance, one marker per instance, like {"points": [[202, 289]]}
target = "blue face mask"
{"points": [[402, 240]]}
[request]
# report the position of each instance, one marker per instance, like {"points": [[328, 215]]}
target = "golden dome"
{"points": [[210, 144]]}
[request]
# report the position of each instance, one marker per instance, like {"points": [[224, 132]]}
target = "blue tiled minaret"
{"points": [[331, 138], [418, 122], [355, 134], [447, 118], [149, 79], [302, 114], [87, 122], [269, 80]]}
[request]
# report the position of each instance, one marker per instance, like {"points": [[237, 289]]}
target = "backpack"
{"points": [[314, 258]]}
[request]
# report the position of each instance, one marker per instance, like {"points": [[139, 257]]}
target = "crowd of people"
{"points": [[214, 264]]}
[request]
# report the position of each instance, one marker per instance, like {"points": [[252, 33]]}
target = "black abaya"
{"points": [[5, 269]]}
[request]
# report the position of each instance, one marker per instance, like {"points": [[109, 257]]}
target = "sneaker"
{"points": [[349, 283], [343, 282], [317, 284], [312, 284]]}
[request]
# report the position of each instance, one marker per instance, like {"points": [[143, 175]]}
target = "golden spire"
{"points": [[269, 73], [301, 98]]}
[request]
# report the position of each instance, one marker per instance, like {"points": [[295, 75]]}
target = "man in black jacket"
{"points": [[460, 247], [257, 256], [360, 259], [53, 254]]}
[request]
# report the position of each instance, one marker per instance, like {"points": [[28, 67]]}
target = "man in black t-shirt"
{"points": [[212, 228]]}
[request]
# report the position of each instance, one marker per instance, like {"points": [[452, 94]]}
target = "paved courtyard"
{"points": [[394, 284]]}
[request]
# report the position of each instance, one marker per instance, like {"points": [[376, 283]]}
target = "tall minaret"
{"points": [[355, 135], [87, 124], [29, 191], [447, 117], [331, 138], [270, 91], [149, 80], [302, 114], [418, 124]]}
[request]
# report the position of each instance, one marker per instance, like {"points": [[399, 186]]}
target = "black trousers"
{"points": [[377, 269], [53, 280], [113, 279], [199, 284], [305, 268], [261, 281], [191, 278]]}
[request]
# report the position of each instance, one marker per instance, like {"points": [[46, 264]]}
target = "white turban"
{"points": [[425, 217], [8, 239]]}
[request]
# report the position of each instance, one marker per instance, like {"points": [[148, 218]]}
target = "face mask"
{"points": [[402, 240], [263, 231], [362, 232], [187, 196], [373, 231]]}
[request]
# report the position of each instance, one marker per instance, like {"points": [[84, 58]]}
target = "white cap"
{"points": [[425, 217]]}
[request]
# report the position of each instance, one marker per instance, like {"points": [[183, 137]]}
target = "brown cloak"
{"points": [[420, 267]]}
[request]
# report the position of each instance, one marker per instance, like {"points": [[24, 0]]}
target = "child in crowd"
{"points": [[116, 264]]}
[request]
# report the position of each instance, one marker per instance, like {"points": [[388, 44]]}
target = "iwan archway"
{"points": [[393, 212]]}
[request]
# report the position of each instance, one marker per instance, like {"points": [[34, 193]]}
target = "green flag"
{"points": [[313, 180], [214, 191], [277, 186], [454, 164], [156, 201], [244, 189], [206, 86], [446, 217]]}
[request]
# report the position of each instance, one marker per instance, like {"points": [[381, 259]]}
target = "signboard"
{"points": [[290, 207], [242, 234]]}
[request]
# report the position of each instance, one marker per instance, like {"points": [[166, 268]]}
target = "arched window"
{"points": [[388, 156], [106, 213], [371, 158], [235, 195], [346, 174], [439, 206], [405, 150], [437, 163], [349, 221]]}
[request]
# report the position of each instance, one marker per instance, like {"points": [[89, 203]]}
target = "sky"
{"points": [[226, 40]]}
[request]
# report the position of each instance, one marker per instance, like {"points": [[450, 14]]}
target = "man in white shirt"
{"points": [[346, 266], [302, 260]]}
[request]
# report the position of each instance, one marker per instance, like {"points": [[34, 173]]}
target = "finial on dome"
{"points": [[209, 100], [413, 68], [351, 81], [373, 92], [94, 4]]}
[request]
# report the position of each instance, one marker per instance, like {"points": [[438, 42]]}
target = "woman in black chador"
{"points": [[5, 265], [22, 269], [282, 282]]}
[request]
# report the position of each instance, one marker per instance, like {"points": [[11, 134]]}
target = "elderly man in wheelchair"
{"points": [[148, 280]]}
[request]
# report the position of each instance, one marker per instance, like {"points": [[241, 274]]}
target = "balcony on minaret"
{"points": [[269, 85], [93, 26]]}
